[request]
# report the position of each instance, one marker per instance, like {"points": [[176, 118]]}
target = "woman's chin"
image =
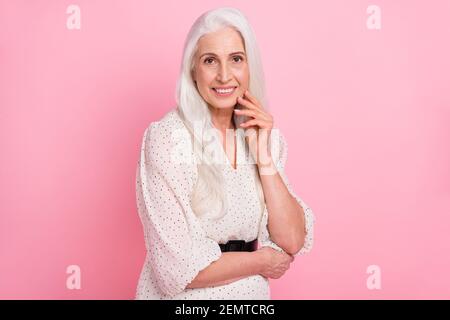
{"points": [[223, 104]]}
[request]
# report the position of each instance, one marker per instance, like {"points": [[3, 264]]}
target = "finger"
{"points": [[253, 122], [290, 257], [254, 113], [252, 98], [247, 103], [248, 112]]}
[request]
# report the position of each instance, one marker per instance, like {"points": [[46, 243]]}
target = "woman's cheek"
{"points": [[243, 76]]}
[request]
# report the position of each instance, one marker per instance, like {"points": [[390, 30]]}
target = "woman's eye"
{"points": [[235, 58]]}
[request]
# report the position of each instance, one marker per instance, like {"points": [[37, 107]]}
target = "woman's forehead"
{"points": [[220, 44]]}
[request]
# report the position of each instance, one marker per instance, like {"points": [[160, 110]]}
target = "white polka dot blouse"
{"points": [[180, 244]]}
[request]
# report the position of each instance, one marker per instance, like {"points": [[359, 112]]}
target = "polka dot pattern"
{"points": [[179, 244]]}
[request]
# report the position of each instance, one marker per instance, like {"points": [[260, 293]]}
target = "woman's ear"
{"points": [[193, 75]]}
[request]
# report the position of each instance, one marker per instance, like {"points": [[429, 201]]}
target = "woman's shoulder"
{"points": [[168, 123], [165, 152], [167, 129], [168, 138]]}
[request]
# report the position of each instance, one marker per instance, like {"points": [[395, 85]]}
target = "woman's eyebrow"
{"points": [[213, 54]]}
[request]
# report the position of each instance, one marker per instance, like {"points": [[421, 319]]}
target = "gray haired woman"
{"points": [[218, 212]]}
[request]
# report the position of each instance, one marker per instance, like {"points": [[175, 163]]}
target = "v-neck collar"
{"points": [[237, 151]]}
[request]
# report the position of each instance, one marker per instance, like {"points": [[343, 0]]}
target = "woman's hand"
{"points": [[274, 263], [260, 128]]}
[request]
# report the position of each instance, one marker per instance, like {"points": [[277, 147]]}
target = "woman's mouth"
{"points": [[224, 92]]}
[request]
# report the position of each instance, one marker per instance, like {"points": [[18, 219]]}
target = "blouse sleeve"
{"points": [[177, 246], [280, 162]]}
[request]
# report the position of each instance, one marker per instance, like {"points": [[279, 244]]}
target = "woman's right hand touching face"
{"points": [[273, 263]]}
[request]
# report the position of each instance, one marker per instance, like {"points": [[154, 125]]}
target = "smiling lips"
{"points": [[224, 91]]}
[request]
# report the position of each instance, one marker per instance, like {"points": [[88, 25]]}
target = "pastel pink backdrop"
{"points": [[366, 114]]}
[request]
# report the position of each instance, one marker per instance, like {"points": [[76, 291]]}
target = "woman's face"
{"points": [[221, 62]]}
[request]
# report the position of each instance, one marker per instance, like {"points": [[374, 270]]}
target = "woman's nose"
{"points": [[224, 74]]}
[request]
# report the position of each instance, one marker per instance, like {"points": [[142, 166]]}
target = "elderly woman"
{"points": [[218, 229]]}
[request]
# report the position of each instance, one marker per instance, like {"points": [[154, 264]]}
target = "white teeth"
{"points": [[224, 91]]}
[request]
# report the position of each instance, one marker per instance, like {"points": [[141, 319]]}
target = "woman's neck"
{"points": [[222, 119]]}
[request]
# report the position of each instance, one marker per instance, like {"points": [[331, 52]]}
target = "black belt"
{"points": [[239, 245]]}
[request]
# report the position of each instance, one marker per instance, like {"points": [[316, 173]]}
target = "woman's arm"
{"points": [[230, 267], [233, 266], [286, 217], [286, 221]]}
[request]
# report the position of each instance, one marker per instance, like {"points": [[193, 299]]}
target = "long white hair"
{"points": [[208, 197]]}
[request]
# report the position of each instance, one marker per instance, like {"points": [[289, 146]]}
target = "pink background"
{"points": [[366, 114]]}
